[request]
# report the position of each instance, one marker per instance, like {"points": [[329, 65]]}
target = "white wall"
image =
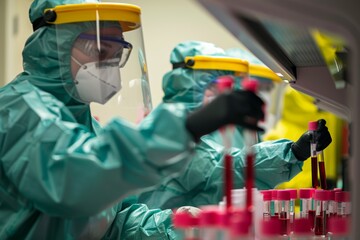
{"points": [[17, 28], [165, 23]]}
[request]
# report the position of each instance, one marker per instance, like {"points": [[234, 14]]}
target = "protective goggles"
{"points": [[104, 47]]}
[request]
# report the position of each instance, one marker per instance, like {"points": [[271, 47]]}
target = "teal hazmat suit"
{"points": [[64, 177], [202, 181]]}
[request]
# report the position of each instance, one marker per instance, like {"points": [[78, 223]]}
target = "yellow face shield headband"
{"points": [[238, 66], [263, 72], [126, 14]]}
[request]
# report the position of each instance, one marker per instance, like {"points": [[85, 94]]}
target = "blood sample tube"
{"points": [[266, 194], [284, 210], [322, 170], [321, 215], [225, 84], [211, 225], [293, 197], [343, 203], [274, 207], [240, 224], [333, 203], [186, 226], [314, 161]]}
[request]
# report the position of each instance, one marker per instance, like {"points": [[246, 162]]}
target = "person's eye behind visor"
{"points": [[108, 48]]}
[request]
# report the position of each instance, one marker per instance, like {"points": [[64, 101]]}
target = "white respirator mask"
{"points": [[98, 81]]}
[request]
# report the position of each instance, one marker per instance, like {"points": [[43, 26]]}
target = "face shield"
{"points": [[106, 67], [207, 70], [268, 90]]}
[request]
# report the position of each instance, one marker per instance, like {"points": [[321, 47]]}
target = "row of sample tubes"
{"points": [[318, 208], [323, 214]]}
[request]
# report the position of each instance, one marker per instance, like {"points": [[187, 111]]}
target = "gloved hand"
{"points": [[301, 148], [239, 107]]}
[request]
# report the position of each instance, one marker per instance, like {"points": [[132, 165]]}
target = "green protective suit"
{"points": [[64, 177], [202, 182]]}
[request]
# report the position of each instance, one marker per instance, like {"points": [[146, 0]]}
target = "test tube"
{"points": [[302, 230], [266, 194], [284, 210], [322, 170], [312, 126], [211, 223], [307, 206], [293, 197], [186, 226], [333, 203], [343, 203], [321, 215], [250, 138], [240, 223], [225, 84], [274, 207]]}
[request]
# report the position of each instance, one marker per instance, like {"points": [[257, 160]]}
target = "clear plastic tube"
{"points": [[211, 223], [225, 84], [343, 203], [313, 155], [322, 170], [186, 226], [293, 197], [284, 210], [266, 194], [321, 214], [274, 207]]}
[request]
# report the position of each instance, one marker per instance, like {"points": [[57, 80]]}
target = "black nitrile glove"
{"points": [[301, 148], [239, 107]]}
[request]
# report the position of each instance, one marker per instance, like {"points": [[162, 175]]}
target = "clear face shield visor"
{"points": [[220, 74], [216, 75], [269, 90], [107, 60]]}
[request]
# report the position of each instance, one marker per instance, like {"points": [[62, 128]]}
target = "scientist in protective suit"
{"points": [[196, 66], [62, 175]]}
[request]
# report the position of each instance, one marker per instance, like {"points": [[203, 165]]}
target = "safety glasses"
{"points": [[104, 47]]}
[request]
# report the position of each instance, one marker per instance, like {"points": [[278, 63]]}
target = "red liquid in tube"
{"points": [[322, 175], [314, 174]]}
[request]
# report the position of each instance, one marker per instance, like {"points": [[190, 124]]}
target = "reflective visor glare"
{"points": [[109, 47]]}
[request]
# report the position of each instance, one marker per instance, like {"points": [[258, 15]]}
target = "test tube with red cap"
{"points": [[283, 197], [332, 202], [250, 138], [307, 207], [266, 194], [225, 84], [274, 207], [211, 223], [321, 215], [186, 226], [313, 153], [293, 197], [343, 203], [240, 226]]}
